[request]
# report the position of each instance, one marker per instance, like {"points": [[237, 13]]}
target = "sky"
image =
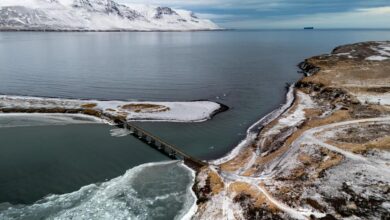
{"points": [[275, 14]]}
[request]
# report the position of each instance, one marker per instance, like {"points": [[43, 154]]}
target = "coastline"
{"points": [[113, 30], [271, 174], [254, 129]]}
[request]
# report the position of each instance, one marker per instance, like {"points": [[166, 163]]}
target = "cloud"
{"points": [[379, 10], [266, 5], [284, 13], [377, 17], [215, 16], [173, 3]]}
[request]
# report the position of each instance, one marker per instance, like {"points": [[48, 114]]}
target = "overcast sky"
{"points": [[260, 14]]}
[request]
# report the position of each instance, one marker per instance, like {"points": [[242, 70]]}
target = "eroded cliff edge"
{"points": [[326, 156]]}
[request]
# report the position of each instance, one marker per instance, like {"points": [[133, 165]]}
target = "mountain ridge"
{"points": [[96, 15]]}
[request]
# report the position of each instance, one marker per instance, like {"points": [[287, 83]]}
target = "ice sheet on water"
{"points": [[30, 119], [149, 191], [119, 132]]}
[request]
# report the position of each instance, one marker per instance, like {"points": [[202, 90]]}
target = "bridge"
{"points": [[162, 146]]}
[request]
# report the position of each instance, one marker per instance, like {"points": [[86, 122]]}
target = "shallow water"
{"points": [[246, 70]]}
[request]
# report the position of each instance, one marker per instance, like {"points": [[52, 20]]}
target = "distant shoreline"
{"points": [[114, 30], [194, 30]]}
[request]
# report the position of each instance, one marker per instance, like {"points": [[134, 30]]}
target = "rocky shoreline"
{"points": [[326, 157]]}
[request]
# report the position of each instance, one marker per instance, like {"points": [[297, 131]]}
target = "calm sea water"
{"points": [[246, 70]]}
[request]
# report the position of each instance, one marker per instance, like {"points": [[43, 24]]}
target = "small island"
{"points": [[114, 111]]}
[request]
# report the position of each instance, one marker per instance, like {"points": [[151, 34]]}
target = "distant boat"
{"points": [[308, 28]]}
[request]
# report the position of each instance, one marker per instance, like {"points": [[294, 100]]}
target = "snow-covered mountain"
{"points": [[95, 15]]}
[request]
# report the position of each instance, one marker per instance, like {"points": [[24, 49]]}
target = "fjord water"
{"points": [[55, 154], [246, 70]]}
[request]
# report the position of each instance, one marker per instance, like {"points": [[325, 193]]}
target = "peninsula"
{"points": [[323, 155]]}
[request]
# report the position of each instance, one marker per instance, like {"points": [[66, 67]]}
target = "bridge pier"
{"points": [[162, 148], [151, 141]]}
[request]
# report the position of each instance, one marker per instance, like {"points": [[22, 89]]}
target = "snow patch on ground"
{"points": [[348, 55], [362, 179], [293, 119], [376, 58], [288, 160], [311, 135], [367, 176], [221, 206], [380, 99], [383, 50]]}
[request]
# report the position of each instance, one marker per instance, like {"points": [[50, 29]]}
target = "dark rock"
{"points": [[251, 212], [161, 11], [307, 68]]}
